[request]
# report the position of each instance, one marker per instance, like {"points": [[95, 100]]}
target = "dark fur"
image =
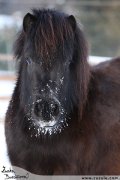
{"points": [[90, 145]]}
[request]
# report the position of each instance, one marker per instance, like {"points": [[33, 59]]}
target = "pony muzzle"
{"points": [[47, 109]]}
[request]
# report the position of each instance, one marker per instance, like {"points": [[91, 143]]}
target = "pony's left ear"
{"points": [[28, 20], [72, 21]]}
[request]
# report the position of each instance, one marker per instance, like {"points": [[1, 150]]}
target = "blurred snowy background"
{"points": [[101, 20]]}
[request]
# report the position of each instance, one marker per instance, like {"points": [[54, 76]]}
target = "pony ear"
{"points": [[72, 21], [28, 20]]}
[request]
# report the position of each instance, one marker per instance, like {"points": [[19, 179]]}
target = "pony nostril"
{"points": [[54, 109], [46, 109], [37, 109]]}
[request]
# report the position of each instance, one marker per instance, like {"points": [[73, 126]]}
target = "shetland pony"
{"points": [[64, 116]]}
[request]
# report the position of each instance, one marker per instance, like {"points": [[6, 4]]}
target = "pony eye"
{"points": [[28, 60]]}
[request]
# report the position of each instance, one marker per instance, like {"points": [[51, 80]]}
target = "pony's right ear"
{"points": [[28, 20], [72, 21]]}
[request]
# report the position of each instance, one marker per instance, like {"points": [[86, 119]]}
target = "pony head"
{"points": [[53, 71]]}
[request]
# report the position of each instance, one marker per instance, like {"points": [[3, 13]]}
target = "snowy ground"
{"points": [[4, 160], [6, 89]]}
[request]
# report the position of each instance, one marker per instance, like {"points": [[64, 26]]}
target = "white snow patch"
{"points": [[94, 60], [3, 108], [6, 88], [4, 160]]}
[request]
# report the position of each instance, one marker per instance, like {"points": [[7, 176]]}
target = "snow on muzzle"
{"points": [[47, 109]]}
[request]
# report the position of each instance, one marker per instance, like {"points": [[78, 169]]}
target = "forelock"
{"points": [[52, 32]]}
